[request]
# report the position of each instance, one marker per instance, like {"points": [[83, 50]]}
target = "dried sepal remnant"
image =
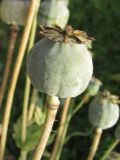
{"points": [[67, 35], [113, 98]]}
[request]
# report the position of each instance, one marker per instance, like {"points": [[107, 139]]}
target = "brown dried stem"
{"points": [[16, 71], [96, 141], [13, 36], [27, 85], [52, 108], [59, 139]]}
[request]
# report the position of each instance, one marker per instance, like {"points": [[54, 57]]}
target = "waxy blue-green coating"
{"points": [[65, 2], [93, 87], [53, 13], [14, 11], [103, 113], [58, 68]]}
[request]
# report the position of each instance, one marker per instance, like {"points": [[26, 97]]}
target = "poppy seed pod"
{"points": [[93, 87], [14, 11], [60, 64], [53, 13], [65, 2], [104, 111]]}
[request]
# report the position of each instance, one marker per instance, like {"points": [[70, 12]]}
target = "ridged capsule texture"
{"points": [[103, 113], [53, 13], [59, 68]]}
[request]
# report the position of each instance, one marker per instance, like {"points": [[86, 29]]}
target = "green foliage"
{"points": [[33, 135], [101, 20], [114, 156], [116, 77]]}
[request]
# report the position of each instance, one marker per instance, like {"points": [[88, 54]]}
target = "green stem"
{"points": [[68, 118], [32, 104], [74, 134], [27, 85], [25, 109], [80, 105], [72, 111], [109, 150], [23, 155]]}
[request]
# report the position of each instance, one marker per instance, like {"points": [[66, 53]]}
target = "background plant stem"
{"points": [[71, 112], [96, 141], [78, 107], [74, 134], [16, 71], [52, 108], [27, 84], [58, 142], [109, 150], [32, 104], [13, 36], [64, 133]]}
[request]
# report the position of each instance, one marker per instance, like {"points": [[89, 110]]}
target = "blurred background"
{"points": [[100, 19]]}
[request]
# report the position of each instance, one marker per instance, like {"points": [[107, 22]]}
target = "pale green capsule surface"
{"points": [[53, 13], [58, 68], [103, 113], [14, 11]]}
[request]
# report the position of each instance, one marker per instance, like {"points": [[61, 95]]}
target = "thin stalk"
{"points": [[23, 155], [16, 72], [72, 111], [27, 85], [64, 133], [80, 105], [25, 109], [32, 104], [52, 108], [96, 141], [13, 37], [110, 149], [0, 130], [74, 134], [58, 142]]}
